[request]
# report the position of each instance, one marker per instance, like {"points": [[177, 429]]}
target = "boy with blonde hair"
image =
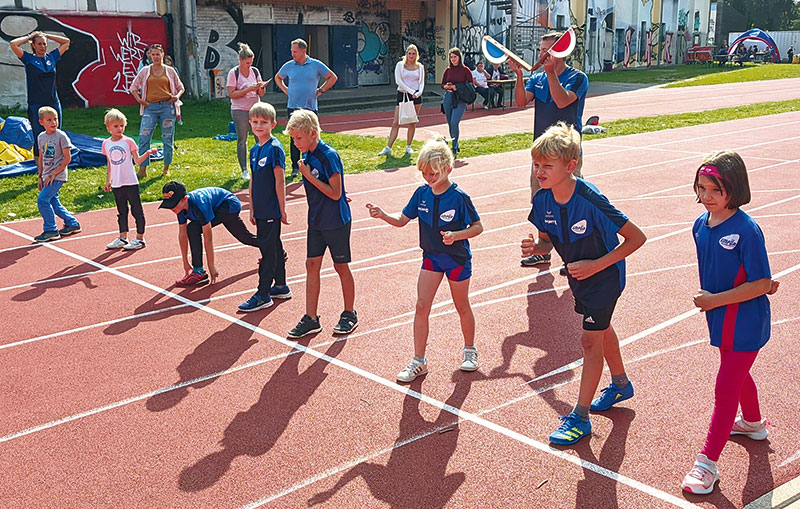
{"points": [[121, 153], [581, 224], [52, 161], [267, 208], [329, 221]]}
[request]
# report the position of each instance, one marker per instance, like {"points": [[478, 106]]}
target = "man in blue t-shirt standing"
{"points": [[559, 94], [303, 73]]}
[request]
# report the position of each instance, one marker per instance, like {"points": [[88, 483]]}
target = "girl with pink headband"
{"points": [[735, 280]]}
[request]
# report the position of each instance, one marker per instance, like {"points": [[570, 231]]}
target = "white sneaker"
{"points": [[118, 243], [134, 244], [245, 175], [752, 430], [414, 369], [409, 150], [700, 480], [470, 362], [387, 151]]}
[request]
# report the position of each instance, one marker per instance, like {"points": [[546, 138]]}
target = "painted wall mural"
{"points": [[103, 58], [422, 34]]}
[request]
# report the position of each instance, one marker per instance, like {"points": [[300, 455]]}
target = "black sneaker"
{"points": [[348, 321], [535, 260], [69, 230], [306, 326], [47, 236]]}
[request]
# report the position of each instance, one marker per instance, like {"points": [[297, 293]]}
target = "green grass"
{"points": [[201, 161], [698, 74]]}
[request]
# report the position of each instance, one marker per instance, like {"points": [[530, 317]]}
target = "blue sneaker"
{"points": [[280, 292], [572, 429], [255, 303], [611, 396]]}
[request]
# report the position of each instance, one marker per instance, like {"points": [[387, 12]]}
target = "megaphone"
{"points": [[496, 53]]}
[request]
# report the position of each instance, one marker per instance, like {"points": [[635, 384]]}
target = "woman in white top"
{"points": [[410, 77], [244, 88]]}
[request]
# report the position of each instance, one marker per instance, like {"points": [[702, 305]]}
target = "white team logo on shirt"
{"points": [[589, 319], [262, 161], [729, 241], [447, 216], [315, 172], [579, 227]]}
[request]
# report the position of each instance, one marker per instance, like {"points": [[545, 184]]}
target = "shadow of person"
{"points": [[65, 278], [596, 490], [416, 473], [546, 313], [161, 306], [254, 432], [759, 471], [9, 258], [217, 353]]}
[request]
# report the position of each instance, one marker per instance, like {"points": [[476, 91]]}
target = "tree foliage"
{"points": [[769, 14]]}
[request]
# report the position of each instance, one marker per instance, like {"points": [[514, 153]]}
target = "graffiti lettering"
{"points": [[348, 17], [422, 34], [131, 51], [668, 47], [372, 4]]}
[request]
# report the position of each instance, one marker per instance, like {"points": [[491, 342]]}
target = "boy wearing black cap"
{"points": [[197, 213]]}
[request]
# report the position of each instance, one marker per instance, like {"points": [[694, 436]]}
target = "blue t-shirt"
{"points": [[40, 74], [547, 113], [584, 228], [263, 160], [205, 201], [324, 213], [303, 81], [450, 211], [729, 254]]}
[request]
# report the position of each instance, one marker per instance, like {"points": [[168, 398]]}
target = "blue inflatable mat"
{"points": [[86, 154], [17, 131]]}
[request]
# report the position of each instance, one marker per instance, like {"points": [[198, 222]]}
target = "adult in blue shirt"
{"points": [[303, 73], [559, 94], [40, 75]]}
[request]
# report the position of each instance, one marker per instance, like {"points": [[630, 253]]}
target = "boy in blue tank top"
{"points": [[329, 221], [267, 208], [580, 223]]}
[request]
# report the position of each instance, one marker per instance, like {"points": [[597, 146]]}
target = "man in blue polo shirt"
{"points": [[559, 94], [303, 73], [197, 213]]}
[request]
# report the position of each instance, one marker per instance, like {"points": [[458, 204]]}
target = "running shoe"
{"points": [[280, 292], [348, 321], [69, 230], [752, 430], [47, 236], [572, 429], [245, 175], [306, 326], [610, 396], [193, 278], [470, 362], [385, 152], [414, 369], [255, 303], [700, 480], [134, 244], [118, 243], [409, 150], [535, 260]]}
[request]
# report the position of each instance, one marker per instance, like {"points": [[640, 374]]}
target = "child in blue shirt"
{"points": [[447, 219], [734, 283], [329, 221], [267, 208], [198, 212], [580, 223]]}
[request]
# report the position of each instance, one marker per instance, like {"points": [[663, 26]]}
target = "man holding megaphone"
{"points": [[559, 94]]}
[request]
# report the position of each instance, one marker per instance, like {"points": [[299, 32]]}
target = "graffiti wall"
{"points": [[422, 33], [100, 64], [373, 65]]}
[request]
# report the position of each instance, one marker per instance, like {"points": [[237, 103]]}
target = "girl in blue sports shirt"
{"points": [[734, 283], [447, 219]]}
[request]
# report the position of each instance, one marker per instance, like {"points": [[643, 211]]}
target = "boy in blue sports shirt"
{"points": [[198, 212], [580, 223], [329, 221], [267, 208]]}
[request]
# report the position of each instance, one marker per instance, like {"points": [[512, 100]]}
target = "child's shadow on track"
{"points": [[218, 352], [254, 432], [596, 490], [547, 313], [9, 258], [161, 306], [416, 473]]}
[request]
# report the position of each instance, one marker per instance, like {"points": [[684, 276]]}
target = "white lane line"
{"points": [[791, 459], [386, 383]]}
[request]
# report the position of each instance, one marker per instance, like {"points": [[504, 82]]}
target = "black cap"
{"points": [[172, 193]]}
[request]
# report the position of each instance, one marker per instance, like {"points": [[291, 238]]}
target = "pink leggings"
{"points": [[734, 386]]}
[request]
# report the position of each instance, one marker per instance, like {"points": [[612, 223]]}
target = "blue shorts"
{"points": [[443, 263]]}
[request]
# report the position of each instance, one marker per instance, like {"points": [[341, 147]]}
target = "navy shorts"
{"points": [[338, 241], [595, 319], [443, 263], [401, 98]]}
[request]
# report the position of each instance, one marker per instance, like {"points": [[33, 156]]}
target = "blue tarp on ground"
{"points": [[87, 153], [17, 131]]}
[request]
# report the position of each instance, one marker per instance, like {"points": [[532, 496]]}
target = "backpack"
{"points": [[254, 68]]}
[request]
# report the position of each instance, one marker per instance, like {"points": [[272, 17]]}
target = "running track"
{"points": [[121, 390]]}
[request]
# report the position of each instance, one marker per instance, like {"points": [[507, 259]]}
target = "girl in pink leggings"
{"points": [[734, 282]]}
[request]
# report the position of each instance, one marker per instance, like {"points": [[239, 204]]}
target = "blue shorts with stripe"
{"points": [[440, 262]]}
